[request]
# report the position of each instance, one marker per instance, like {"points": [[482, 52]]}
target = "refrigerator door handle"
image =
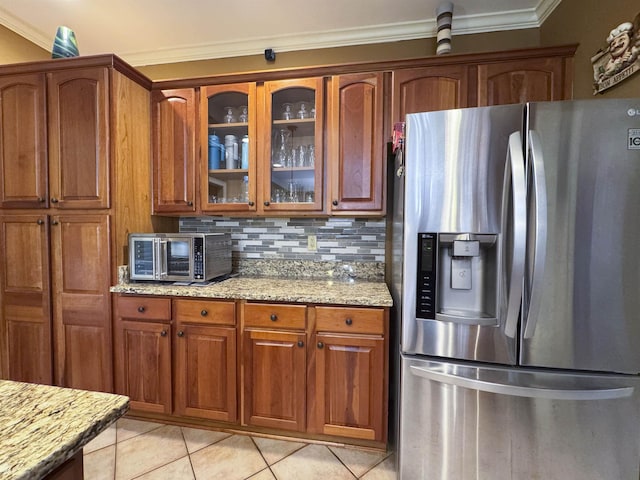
{"points": [[552, 392], [514, 173], [540, 249]]}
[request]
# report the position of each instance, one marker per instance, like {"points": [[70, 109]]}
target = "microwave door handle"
{"points": [[514, 182], [540, 248], [162, 259]]}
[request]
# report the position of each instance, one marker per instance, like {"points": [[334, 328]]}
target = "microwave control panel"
{"points": [[198, 258], [427, 271]]}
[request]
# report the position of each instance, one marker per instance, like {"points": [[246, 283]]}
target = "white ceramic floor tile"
{"points": [[234, 458], [358, 461], [313, 462], [178, 470], [263, 475], [275, 450], [148, 451], [384, 471], [197, 438], [100, 464], [106, 438], [128, 428]]}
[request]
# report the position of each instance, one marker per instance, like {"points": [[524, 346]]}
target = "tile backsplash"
{"points": [[342, 242]]}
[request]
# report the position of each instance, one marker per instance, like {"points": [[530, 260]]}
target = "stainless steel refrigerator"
{"points": [[515, 270]]}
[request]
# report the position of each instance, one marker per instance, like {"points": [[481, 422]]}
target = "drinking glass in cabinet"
{"points": [[303, 111], [244, 114], [287, 111], [281, 154], [229, 115]]}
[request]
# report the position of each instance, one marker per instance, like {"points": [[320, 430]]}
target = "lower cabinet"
{"points": [[313, 370], [194, 339], [274, 360]]}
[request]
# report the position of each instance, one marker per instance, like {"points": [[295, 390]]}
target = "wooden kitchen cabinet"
{"points": [[274, 364], [56, 123], [348, 374], [175, 150], [205, 357], [177, 357], [355, 133], [142, 346], [23, 141], [429, 88], [526, 80], [80, 258], [229, 112], [74, 157], [25, 299]]}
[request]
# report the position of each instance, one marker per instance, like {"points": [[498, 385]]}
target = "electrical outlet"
{"points": [[312, 244]]}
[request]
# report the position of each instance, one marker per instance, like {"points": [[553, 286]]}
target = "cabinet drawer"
{"points": [[350, 320], [143, 308], [275, 316], [205, 311]]}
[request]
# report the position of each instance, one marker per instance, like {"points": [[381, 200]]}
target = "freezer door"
{"points": [[465, 422], [459, 189], [582, 307]]}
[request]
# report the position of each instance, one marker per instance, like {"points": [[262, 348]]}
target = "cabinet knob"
{"points": [[40, 221], [141, 309], [300, 343], [335, 203], [320, 345], [163, 333], [204, 313], [273, 317], [266, 204], [181, 333], [40, 199], [348, 321], [251, 204], [190, 204], [54, 222], [54, 200]]}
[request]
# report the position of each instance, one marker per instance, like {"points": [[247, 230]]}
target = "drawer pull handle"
{"points": [[300, 343], [141, 309], [204, 313], [40, 221], [348, 321], [273, 317], [163, 333], [54, 222], [320, 345], [40, 199], [180, 333], [54, 200]]}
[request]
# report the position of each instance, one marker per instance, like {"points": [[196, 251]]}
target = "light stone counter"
{"points": [[333, 292], [43, 426]]}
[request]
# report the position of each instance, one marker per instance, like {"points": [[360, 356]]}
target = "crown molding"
{"points": [[461, 25]]}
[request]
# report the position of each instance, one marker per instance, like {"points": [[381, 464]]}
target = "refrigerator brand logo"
{"points": [[634, 139]]}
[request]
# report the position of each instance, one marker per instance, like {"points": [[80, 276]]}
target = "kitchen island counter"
{"points": [[310, 291], [42, 426]]}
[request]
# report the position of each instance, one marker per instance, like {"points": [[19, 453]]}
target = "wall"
{"points": [[588, 22], [15, 49]]}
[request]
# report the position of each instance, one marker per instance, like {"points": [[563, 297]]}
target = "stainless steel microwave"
{"points": [[188, 257]]}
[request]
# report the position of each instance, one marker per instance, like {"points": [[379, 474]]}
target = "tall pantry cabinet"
{"points": [[74, 156]]}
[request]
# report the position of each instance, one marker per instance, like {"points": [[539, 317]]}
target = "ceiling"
{"points": [[147, 32]]}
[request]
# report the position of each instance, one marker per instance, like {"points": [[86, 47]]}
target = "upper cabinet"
{"points": [[518, 81], [428, 89], [174, 137], [356, 146], [228, 116], [54, 134], [291, 167]]}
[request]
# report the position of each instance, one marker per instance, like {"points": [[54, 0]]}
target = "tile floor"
{"points": [[134, 449]]}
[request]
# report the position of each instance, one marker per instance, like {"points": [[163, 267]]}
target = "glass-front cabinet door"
{"points": [[228, 119], [291, 174]]}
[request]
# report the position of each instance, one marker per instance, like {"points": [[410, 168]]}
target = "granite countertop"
{"points": [[334, 292], [43, 426]]}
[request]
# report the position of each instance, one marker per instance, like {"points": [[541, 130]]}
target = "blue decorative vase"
{"points": [[65, 44]]}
